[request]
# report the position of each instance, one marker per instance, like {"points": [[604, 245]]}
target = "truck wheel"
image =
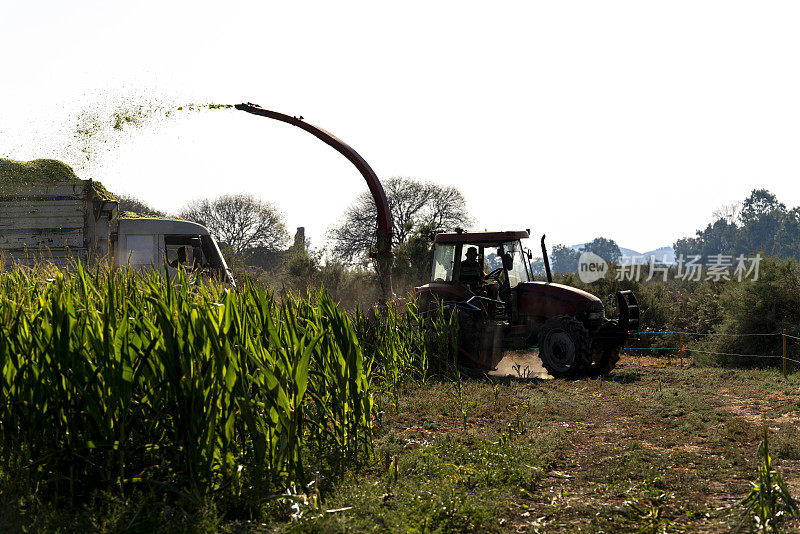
{"points": [[564, 347]]}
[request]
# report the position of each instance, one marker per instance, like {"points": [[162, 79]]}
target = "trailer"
{"points": [[48, 214]]}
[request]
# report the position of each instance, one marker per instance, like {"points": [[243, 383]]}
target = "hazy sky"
{"points": [[631, 120]]}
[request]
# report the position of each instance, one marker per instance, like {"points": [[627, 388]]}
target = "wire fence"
{"points": [[682, 349], [707, 334]]}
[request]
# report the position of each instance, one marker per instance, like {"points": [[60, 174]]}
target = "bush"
{"points": [[765, 306], [726, 309]]}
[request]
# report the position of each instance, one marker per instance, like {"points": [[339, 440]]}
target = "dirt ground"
{"points": [[521, 364], [653, 447], [527, 364]]}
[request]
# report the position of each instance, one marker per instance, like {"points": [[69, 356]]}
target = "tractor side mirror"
{"points": [[530, 254], [508, 261]]}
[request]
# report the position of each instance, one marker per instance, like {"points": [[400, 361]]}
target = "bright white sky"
{"points": [[630, 120]]}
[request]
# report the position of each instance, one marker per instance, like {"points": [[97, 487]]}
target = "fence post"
{"points": [[784, 353], [680, 343]]}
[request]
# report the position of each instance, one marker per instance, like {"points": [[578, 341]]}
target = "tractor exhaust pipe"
{"points": [[546, 261]]}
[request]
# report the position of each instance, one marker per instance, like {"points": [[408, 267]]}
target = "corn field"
{"points": [[113, 380]]}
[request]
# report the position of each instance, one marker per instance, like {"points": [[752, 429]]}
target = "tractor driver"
{"points": [[471, 271]]}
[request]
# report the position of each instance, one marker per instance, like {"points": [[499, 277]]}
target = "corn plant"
{"points": [[769, 501], [406, 344]]}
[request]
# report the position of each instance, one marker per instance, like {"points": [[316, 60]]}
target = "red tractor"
{"points": [[486, 278]]}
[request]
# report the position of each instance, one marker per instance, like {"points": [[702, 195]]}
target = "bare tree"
{"points": [[412, 204], [240, 221], [728, 212]]}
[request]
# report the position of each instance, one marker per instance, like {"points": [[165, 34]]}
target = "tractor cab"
{"points": [[487, 265]]}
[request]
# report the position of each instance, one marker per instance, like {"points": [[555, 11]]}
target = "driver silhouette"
{"points": [[471, 270]]}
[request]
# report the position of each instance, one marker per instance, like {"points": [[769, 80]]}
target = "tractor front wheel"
{"points": [[564, 347]]}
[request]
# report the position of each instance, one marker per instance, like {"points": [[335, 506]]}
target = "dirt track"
{"points": [[521, 363]]}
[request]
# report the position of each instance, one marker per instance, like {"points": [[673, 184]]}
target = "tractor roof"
{"points": [[481, 237]]}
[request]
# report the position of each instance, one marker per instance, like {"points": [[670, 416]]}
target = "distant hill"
{"points": [[663, 255]]}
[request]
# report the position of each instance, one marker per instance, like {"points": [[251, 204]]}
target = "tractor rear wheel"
{"points": [[564, 347]]}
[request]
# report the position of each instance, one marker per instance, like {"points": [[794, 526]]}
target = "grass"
{"points": [[769, 502], [645, 450]]}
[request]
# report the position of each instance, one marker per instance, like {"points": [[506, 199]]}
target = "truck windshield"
{"points": [[216, 260], [194, 252]]}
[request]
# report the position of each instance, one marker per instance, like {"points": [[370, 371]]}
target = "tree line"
{"points": [[758, 224], [251, 231], [720, 311], [564, 259]]}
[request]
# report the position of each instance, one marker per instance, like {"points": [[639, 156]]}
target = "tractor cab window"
{"points": [[491, 260], [443, 263], [513, 257]]}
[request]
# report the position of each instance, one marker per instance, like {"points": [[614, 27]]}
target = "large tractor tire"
{"points": [[605, 352], [564, 347]]}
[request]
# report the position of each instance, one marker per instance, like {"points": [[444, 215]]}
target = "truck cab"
{"points": [[176, 244]]}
